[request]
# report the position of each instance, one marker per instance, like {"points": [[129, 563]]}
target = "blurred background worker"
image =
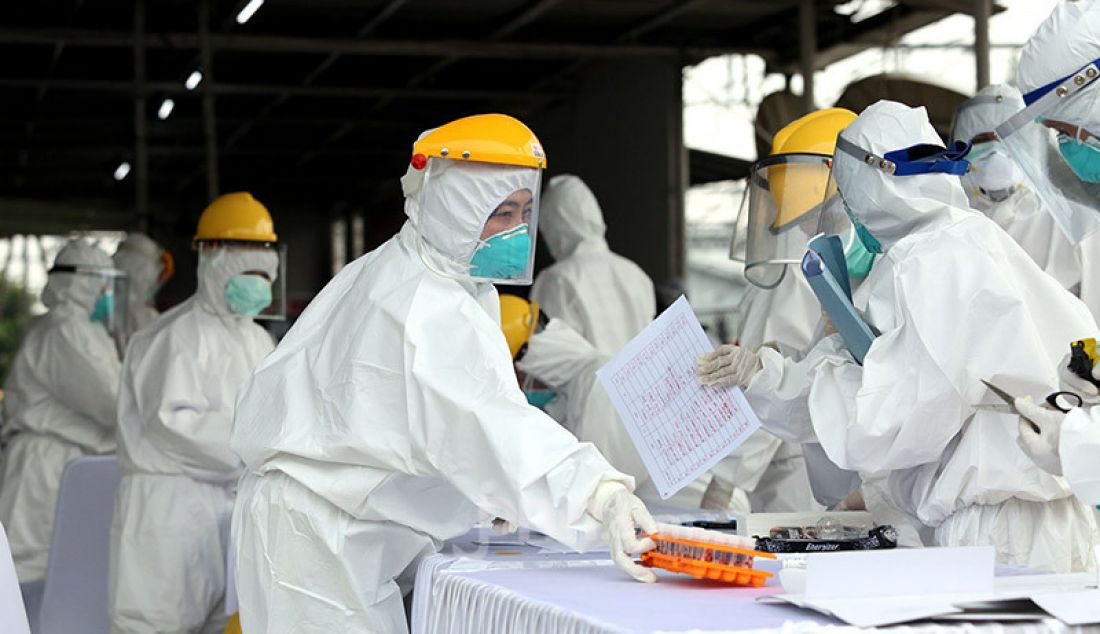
{"points": [[401, 364], [779, 310], [557, 371], [59, 397], [179, 384], [1059, 58], [912, 408], [605, 297], [997, 187], [147, 267]]}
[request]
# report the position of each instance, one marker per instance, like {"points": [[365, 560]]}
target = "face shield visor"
{"points": [[784, 197], [1066, 176], [111, 290], [258, 291]]}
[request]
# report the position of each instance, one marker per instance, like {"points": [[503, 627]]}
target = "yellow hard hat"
{"points": [[814, 133], [236, 216], [486, 138], [518, 318]]}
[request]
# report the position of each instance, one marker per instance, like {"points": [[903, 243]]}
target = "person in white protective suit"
{"points": [[956, 300], [389, 418], [779, 310], [1064, 48], [148, 266], [59, 399], [180, 377], [605, 297], [995, 185]]}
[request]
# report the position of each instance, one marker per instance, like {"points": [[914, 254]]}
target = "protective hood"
{"points": [[571, 216], [1066, 41], [449, 201], [892, 207], [986, 110], [992, 169], [218, 264], [82, 290], [139, 256]]}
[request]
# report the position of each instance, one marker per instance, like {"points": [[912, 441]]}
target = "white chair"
{"points": [[75, 595], [13, 616]]}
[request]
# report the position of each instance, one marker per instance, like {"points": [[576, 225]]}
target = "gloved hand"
{"points": [[1042, 445], [1073, 383], [620, 511], [728, 365]]}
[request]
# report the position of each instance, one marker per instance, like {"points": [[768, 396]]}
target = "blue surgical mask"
{"points": [[539, 398], [859, 260], [248, 294], [870, 242], [1083, 157], [503, 255], [103, 308]]}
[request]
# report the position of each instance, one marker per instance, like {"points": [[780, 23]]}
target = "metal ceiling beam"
{"points": [[675, 9], [169, 151], [312, 76], [373, 47], [98, 85]]}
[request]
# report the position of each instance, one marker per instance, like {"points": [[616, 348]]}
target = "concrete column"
{"points": [[209, 119], [807, 51], [982, 10], [140, 168]]}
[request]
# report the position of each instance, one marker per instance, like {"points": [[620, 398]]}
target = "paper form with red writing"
{"points": [[680, 428]]}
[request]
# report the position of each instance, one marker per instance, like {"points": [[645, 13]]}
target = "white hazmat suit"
{"points": [[771, 472], [956, 301], [387, 417], [1067, 40], [995, 186], [562, 359], [605, 297], [59, 404], [143, 262], [175, 409]]}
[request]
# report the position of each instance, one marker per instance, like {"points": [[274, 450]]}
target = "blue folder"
{"points": [[838, 305]]}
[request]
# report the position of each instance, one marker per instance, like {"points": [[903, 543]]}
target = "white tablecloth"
{"points": [[513, 588]]}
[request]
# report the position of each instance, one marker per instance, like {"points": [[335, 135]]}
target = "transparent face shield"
{"points": [[255, 293], [1058, 172], [505, 253], [111, 287], [785, 195]]}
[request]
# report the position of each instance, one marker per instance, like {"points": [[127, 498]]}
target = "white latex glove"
{"points": [[1042, 445], [620, 512], [728, 365], [1073, 383]]}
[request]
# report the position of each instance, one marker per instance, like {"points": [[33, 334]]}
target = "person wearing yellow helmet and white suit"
{"points": [[389, 418], [180, 378], [780, 311]]}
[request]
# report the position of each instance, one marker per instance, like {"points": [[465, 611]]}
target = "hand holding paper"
{"points": [[680, 428]]}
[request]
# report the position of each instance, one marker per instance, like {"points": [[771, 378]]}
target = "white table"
{"points": [[512, 588]]}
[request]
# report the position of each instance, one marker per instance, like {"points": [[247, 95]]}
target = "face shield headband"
{"points": [[923, 158]]}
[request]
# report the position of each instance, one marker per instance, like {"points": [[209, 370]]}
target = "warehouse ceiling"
{"points": [[321, 97]]}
